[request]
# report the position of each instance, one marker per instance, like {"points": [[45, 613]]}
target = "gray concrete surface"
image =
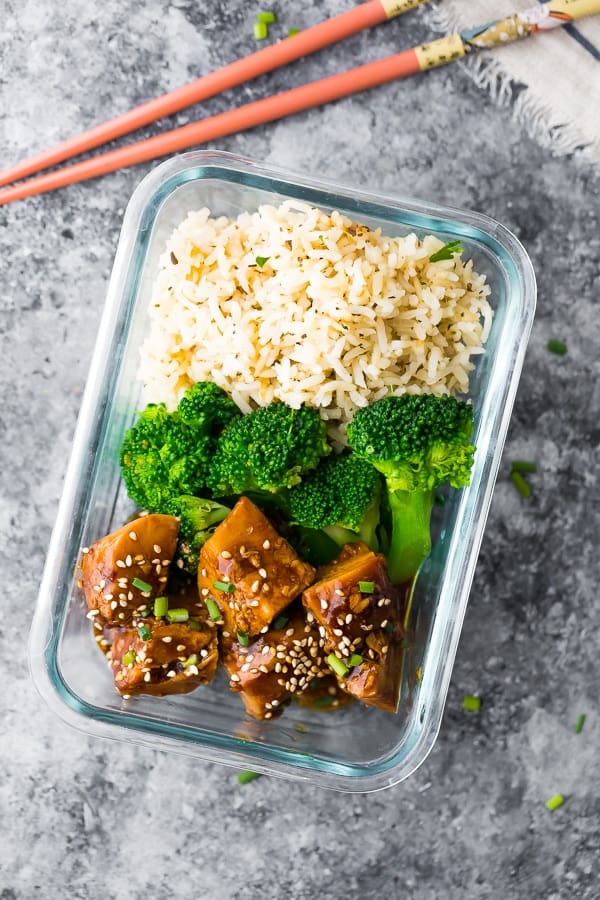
{"points": [[81, 818]]}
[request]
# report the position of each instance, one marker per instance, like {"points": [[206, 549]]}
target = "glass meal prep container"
{"points": [[355, 748]]}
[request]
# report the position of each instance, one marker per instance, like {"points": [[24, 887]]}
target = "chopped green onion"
{"points": [[128, 658], [144, 632], [520, 484], [192, 660], [473, 704], [439, 500], [141, 585], [557, 347], [339, 667], [243, 638], [194, 626], [261, 30], [224, 586], [447, 251], [326, 700], [213, 609], [521, 465], [280, 622], [554, 802], [161, 605], [178, 615], [261, 260], [366, 587], [321, 240], [245, 777], [389, 627], [267, 17], [315, 683], [355, 660], [144, 613], [293, 31], [298, 726], [580, 723]]}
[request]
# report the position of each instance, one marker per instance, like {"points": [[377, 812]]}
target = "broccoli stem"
{"points": [[411, 535]]}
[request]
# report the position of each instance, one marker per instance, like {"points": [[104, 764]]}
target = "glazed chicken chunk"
{"points": [[159, 658], [358, 613], [128, 568], [279, 664], [250, 571]]}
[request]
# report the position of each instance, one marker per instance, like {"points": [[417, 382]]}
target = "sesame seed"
{"points": [[147, 676], [158, 569], [163, 578], [114, 604], [225, 554], [120, 564], [204, 573], [266, 588], [180, 564], [384, 650], [92, 613], [130, 595], [289, 632], [278, 667], [242, 550], [121, 615], [310, 617], [166, 562], [97, 587], [266, 544], [129, 560], [204, 592], [263, 669], [180, 648], [348, 618], [171, 674], [262, 573], [268, 715], [254, 603], [384, 623], [123, 602], [108, 596], [235, 677], [339, 592], [388, 601], [274, 702], [133, 535], [255, 586], [323, 603], [167, 639], [264, 630], [191, 670], [85, 549], [157, 548], [245, 667], [204, 653]]}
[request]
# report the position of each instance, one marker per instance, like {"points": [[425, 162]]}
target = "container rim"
{"points": [[154, 187]]}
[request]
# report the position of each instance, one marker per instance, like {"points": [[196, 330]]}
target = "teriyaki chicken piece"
{"points": [[250, 571], [359, 616]]}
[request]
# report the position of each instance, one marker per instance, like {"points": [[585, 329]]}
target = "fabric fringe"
{"points": [[536, 117]]}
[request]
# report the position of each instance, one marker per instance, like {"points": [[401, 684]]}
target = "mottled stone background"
{"points": [[82, 818]]}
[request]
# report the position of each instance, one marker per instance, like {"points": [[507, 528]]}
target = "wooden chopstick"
{"points": [[365, 15], [426, 56]]}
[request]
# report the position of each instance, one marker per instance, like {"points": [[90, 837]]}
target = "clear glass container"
{"points": [[355, 748]]}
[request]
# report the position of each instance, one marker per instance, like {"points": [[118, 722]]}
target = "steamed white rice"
{"points": [[337, 317]]}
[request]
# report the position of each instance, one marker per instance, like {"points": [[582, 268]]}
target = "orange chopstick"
{"points": [[272, 57], [257, 113]]}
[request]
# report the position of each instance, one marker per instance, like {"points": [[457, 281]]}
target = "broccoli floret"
{"points": [[269, 450], [418, 443], [166, 454], [198, 518], [207, 407], [340, 497]]}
